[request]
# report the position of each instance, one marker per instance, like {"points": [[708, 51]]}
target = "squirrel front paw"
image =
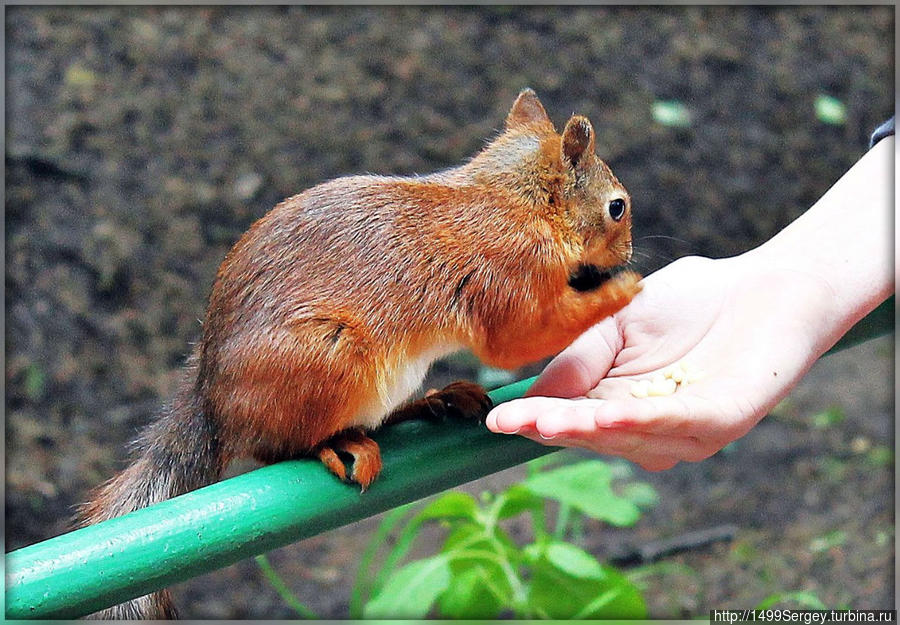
{"points": [[624, 286], [460, 400], [614, 294]]}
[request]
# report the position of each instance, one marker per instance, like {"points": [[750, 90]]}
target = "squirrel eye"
{"points": [[617, 209]]}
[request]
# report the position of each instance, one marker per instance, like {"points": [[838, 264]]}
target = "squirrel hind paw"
{"points": [[332, 462], [363, 450]]}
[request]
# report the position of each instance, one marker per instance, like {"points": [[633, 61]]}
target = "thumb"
{"points": [[579, 367]]}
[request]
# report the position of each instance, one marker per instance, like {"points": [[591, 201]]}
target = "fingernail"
{"points": [[548, 438], [610, 424]]}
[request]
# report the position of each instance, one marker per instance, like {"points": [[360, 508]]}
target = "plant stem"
{"points": [[282, 589], [562, 520], [363, 583]]}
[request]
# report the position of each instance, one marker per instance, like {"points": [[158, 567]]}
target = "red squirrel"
{"points": [[326, 314]]}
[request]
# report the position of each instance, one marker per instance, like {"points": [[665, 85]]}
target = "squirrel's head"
{"points": [[600, 207], [562, 177]]}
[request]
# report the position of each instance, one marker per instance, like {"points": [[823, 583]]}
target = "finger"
{"points": [[656, 463], [549, 416], [672, 415], [581, 365], [568, 421], [512, 416], [641, 447], [651, 453], [555, 441], [568, 417], [552, 416]]}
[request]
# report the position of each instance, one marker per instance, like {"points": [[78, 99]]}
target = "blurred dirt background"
{"points": [[141, 142]]}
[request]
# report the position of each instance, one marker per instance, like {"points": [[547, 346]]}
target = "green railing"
{"points": [[98, 566], [94, 567]]}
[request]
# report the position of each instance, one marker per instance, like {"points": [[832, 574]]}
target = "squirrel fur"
{"points": [[326, 314]]}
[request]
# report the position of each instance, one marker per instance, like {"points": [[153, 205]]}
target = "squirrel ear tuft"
{"points": [[577, 139], [527, 109]]}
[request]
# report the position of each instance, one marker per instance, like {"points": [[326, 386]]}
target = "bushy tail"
{"points": [[177, 453]]}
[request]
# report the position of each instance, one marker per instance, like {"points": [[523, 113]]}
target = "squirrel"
{"points": [[326, 314]]}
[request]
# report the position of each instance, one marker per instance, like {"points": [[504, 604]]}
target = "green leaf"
{"points": [[553, 593], [34, 382], [573, 561], [411, 591], [401, 547], [364, 581], [830, 110], [468, 535], [516, 500], [450, 505], [542, 462], [534, 552], [479, 564], [671, 113], [476, 591], [586, 486], [835, 538], [880, 456], [641, 494], [802, 598], [622, 599], [463, 535], [829, 417]]}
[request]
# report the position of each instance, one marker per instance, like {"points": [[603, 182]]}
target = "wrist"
{"points": [[838, 253], [804, 306]]}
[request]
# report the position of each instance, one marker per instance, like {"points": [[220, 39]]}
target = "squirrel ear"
{"points": [[527, 109], [577, 139]]}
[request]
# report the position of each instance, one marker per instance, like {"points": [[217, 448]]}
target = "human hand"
{"points": [[748, 327]]}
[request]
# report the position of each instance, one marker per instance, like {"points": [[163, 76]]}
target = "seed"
{"points": [[662, 387], [640, 388], [675, 372], [667, 381]]}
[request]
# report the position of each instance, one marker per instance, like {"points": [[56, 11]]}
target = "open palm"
{"points": [[736, 323]]}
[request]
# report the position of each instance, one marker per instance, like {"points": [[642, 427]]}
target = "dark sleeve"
{"points": [[884, 130]]}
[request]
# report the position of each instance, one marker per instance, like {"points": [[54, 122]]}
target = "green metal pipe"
{"points": [[94, 567], [878, 322], [98, 566]]}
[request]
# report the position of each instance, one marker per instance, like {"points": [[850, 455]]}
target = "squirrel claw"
{"points": [[365, 452], [462, 399]]}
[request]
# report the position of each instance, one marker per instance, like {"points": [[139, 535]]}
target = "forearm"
{"points": [[845, 243]]}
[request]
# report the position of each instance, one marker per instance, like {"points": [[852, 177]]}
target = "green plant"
{"points": [[830, 417], [282, 589], [801, 598], [481, 572], [830, 110]]}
